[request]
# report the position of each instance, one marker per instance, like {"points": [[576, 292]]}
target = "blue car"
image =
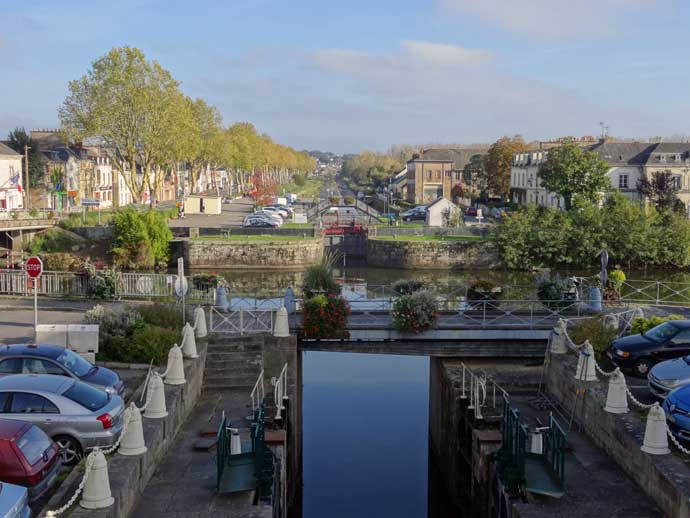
{"points": [[677, 408]]}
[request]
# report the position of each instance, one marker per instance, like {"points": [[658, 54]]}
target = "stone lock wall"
{"points": [[432, 254], [247, 255]]}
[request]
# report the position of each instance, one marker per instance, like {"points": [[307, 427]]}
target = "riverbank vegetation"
{"points": [[436, 237], [635, 236]]}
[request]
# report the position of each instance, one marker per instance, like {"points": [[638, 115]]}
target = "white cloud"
{"points": [[554, 18], [444, 54]]}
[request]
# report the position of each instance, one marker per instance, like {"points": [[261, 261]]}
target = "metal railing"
{"points": [[258, 393], [241, 321], [280, 391]]}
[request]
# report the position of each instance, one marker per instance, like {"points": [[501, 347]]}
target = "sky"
{"points": [[345, 76]]}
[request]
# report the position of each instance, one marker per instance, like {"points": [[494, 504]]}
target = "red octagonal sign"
{"points": [[34, 267]]}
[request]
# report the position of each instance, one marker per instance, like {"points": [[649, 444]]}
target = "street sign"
{"points": [[181, 286], [34, 267], [90, 202]]}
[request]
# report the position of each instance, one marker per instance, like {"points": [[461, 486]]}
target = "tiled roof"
{"points": [[459, 156], [624, 153], [8, 151]]}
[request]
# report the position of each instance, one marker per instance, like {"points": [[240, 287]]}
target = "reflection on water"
{"points": [[365, 435]]}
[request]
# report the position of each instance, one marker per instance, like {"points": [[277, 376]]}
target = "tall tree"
{"points": [[574, 174], [17, 139], [498, 162], [661, 189], [125, 100]]}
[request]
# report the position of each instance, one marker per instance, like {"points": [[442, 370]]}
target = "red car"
{"points": [[471, 212], [28, 457]]}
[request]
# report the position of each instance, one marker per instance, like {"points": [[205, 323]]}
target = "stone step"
{"points": [[232, 356], [229, 365], [219, 340], [235, 347], [247, 371], [231, 383], [248, 377]]}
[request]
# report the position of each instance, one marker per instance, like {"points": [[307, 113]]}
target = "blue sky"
{"points": [[345, 76]]}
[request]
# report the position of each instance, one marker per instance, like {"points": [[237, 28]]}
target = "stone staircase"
{"points": [[233, 365]]}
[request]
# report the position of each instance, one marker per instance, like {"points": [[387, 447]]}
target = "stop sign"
{"points": [[34, 267]]}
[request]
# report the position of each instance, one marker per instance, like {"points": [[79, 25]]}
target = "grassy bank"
{"points": [[311, 188]]}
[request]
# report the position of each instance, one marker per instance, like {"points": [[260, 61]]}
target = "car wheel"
{"points": [[642, 368], [70, 449]]}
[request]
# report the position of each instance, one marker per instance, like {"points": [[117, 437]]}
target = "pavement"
{"points": [[192, 473], [232, 214]]}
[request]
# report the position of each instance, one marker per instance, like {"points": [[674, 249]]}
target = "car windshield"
{"points": [[87, 396], [662, 332], [33, 443], [74, 363]]}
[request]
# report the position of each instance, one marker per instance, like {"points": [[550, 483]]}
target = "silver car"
{"points": [[77, 416], [669, 375]]}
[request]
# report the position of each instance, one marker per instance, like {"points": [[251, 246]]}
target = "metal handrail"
{"points": [[257, 395], [280, 391]]}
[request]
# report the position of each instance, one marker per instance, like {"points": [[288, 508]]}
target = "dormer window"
{"points": [[662, 158]]}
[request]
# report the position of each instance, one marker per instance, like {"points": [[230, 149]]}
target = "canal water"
{"points": [[365, 435]]}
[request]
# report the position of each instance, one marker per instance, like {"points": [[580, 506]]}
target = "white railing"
{"points": [[257, 395], [481, 391], [280, 391], [241, 322]]}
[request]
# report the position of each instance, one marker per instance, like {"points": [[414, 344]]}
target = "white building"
{"points": [[11, 196], [441, 213]]}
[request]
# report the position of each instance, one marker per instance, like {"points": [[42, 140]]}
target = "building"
{"points": [[433, 173], [11, 196], [441, 213], [629, 162]]}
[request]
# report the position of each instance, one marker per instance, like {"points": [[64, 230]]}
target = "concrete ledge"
{"points": [[129, 475], [664, 479]]}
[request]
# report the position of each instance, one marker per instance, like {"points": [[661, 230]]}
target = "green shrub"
{"points": [[319, 278], [61, 262], [349, 200], [162, 315], [299, 179], [149, 343], [325, 316], [116, 327], [407, 286], [594, 330], [51, 240], [141, 239], [555, 292], [101, 284], [416, 312], [642, 325]]}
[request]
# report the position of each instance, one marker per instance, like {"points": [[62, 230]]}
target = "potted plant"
{"points": [[614, 283], [415, 312], [556, 292]]}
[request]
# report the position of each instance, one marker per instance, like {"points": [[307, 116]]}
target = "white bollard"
{"points": [[611, 321], [235, 442], [97, 493], [536, 443], [586, 370], [132, 442], [155, 406], [188, 342], [174, 374], [200, 329], [282, 326], [617, 396], [557, 339], [655, 438]]}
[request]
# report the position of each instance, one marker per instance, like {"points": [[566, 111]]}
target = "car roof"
{"points": [[47, 350], [36, 382], [12, 428], [683, 324]]}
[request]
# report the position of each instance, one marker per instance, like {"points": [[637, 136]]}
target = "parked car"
{"points": [[275, 210], [14, 501], [77, 416], [642, 351], [264, 217], [677, 409], [280, 206], [471, 212], [28, 457], [260, 223], [669, 375], [56, 360], [415, 214], [269, 215]]}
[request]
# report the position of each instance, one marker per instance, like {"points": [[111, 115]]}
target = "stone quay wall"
{"points": [[441, 255], [249, 255], [130, 475], [663, 478]]}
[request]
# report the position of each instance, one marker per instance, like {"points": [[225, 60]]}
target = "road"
{"points": [[232, 215]]}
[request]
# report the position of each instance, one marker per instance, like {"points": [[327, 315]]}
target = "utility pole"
{"points": [[27, 195]]}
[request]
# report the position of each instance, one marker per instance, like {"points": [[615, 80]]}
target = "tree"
{"points": [[128, 102], [498, 162], [574, 173], [17, 139], [661, 189]]}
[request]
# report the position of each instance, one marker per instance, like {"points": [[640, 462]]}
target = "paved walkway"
{"points": [[184, 484]]}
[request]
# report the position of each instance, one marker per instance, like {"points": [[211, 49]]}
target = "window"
{"points": [[25, 403], [33, 443], [38, 366], [87, 396], [74, 363], [623, 181], [11, 366], [682, 338], [3, 401], [677, 182]]}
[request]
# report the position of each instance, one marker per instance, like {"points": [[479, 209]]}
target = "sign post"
{"points": [[34, 269], [181, 287]]}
